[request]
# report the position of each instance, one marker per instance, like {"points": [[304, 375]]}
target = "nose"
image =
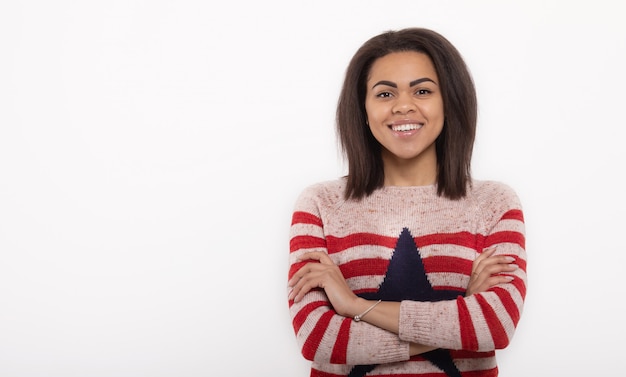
{"points": [[404, 105]]}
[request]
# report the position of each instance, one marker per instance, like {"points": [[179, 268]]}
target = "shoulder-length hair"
{"points": [[455, 143]]}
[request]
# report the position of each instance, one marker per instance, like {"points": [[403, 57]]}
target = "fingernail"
{"points": [[510, 259]]}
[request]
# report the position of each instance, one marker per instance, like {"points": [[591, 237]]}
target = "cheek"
{"points": [[433, 113], [437, 109], [373, 114]]}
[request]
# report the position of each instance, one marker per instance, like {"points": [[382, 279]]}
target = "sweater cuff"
{"points": [[388, 348], [414, 322], [434, 324]]}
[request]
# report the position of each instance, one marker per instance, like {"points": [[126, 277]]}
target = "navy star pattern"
{"points": [[406, 279]]}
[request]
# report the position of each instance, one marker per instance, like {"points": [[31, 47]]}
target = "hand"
{"points": [[325, 275], [487, 271]]}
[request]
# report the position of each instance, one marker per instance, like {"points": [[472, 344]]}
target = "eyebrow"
{"points": [[412, 83]]}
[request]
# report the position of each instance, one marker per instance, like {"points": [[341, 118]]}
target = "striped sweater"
{"points": [[407, 244]]}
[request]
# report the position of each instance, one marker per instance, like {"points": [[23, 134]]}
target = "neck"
{"points": [[419, 171]]}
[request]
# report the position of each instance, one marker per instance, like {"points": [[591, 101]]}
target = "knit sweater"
{"points": [[409, 245]]}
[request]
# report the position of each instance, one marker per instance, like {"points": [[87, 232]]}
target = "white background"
{"points": [[151, 153]]}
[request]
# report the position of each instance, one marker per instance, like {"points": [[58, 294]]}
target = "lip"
{"points": [[401, 122], [403, 128]]}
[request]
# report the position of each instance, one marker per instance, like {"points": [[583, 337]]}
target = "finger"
{"points": [[304, 286], [495, 280], [292, 282], [316, 255], [305, 269], [296, 287], [479, 265], [485, 254], [298, 274], [307, 259], [488, 252], [310, 276], [498, 260], [310, 255], [482, 277], [486, 284], [495, 269], [481, 257]]}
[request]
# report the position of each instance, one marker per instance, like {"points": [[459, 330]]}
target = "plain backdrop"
{"points": [[151, 152]]}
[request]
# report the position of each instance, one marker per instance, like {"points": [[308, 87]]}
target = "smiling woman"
{"points": [[407, 265], [405, 116]]}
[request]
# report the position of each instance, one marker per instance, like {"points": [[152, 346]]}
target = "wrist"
{"points": [[353, 307], [362, 314]]}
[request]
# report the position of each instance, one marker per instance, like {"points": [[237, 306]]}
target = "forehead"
{"points": [[402, 66]]}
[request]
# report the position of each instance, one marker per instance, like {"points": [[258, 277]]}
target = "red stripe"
{"points": [[514, 214], [365, 290], [499, 336], [448, 264], [461, 290], [519, 261], [306, 242], [340, 349], [300, 317], [337, 244], [378, 267], [300, 217], [465, 239], [468, 334], [297, 266], [364, 267], [521, 286], [507, 236], [315, 338], [508, 303]]}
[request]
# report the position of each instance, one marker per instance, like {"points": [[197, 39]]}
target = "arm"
{"points": [[487, 272], [487, 320], [323, 334]]}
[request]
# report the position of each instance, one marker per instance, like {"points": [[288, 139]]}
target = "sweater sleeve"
{"points": [[487, 320], [323, 335]]}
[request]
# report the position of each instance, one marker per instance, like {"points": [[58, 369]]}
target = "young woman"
{"points": [[406, 266]]}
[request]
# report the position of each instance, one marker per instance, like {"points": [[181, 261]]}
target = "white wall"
{"points": [[151, 152]]}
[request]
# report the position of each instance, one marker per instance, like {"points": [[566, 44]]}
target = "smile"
{"points": [[406, 127]]}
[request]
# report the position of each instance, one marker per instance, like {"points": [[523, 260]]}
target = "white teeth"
{"points": [[406, 127]]}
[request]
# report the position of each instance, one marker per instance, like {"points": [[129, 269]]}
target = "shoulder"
{"points": [[490, 190], [495, 197], [322, 194]]}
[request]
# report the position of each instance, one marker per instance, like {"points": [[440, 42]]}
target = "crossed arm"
{"points": [[488, 270]]}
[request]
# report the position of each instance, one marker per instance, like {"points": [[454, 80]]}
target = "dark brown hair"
{"points": [[455, 143]]}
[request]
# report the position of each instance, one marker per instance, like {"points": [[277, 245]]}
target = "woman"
{"points": [[407, 266]]}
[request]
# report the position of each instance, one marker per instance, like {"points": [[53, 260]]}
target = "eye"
{"points": [[423, 92], [383, 95]]}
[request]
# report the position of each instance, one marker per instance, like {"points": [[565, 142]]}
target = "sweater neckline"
{"points": [[396, 188]]}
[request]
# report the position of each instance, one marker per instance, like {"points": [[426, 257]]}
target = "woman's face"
{"points": [[404, 106]]}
